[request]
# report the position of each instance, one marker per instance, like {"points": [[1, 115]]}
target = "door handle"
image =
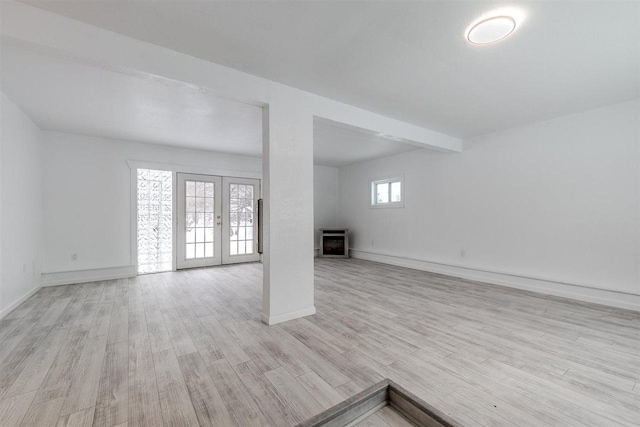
{"points": [[260, 224]]}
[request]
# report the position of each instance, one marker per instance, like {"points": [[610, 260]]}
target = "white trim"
{"points": [[133, 215], [545, 286], [272, 320], [84, 276], [19, 301], [200, 170], [174, 223]]}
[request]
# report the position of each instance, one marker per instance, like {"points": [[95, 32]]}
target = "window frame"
{"points": [[374, 182]]}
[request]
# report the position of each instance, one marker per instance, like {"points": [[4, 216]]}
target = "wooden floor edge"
{"points": [[386, 392]]}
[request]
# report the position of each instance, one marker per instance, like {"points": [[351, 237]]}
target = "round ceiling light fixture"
{"points": [[491, 29]]}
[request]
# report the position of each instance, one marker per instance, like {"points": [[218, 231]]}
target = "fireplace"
{"points": [[335, 243]]}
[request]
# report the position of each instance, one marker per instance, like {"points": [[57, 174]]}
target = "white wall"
{"points": [[557, 200], [21, 206], [325, 200], [87, 196]]}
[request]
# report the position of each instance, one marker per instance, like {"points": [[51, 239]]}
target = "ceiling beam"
{"points": [[76, 40]]}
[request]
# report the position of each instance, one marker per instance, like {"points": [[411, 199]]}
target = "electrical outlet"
{"points": [[463, 253], [74, 257], [24, 268]]}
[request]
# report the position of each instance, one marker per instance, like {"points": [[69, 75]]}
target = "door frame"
{"points": [[226, 229]]}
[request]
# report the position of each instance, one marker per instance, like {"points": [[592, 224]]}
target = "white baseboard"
{"points": [[85, 276], [567, 290], [19, 301], [272, 320]]}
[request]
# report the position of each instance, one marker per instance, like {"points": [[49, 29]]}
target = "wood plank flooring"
{"points": [[188, 348]]}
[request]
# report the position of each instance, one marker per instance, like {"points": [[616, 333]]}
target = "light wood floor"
{"points": [[188, 348]]}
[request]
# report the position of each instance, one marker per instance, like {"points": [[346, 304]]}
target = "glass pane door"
{"points": [[240, 220], [199, 220]]}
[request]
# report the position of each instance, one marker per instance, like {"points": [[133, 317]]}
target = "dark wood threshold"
{"points": [[386, 392]]}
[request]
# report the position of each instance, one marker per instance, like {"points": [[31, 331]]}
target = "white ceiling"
{"points": [[67, 96], [406, 60], [337, 146], [63, 95]]}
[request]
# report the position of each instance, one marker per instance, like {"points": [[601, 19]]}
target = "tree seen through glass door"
{"points": [[241, 219]]}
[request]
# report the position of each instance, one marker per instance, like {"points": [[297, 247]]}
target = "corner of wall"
{"points": [[21, 206]]}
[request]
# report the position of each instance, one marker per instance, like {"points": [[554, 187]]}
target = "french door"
{"points": [[240, 220], [199, 220], [217, 220]]}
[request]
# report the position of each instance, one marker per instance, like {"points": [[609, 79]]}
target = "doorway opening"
{"points": [[215, 220]]}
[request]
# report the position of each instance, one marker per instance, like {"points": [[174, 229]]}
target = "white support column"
{"points": [[287, 170]]}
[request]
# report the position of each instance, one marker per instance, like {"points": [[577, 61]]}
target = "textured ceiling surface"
{"points": [[67, 96], [406, 60]]}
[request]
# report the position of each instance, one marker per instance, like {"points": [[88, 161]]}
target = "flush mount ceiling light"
{"points": [[491, 30]]}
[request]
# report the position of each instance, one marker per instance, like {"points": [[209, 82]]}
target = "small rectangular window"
{"points": [[387, 192]]}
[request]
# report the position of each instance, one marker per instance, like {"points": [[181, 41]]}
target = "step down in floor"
{"points": [[386, 393]]}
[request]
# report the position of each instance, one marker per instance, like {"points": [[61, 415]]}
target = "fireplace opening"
{"points": [[335, 243]]}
